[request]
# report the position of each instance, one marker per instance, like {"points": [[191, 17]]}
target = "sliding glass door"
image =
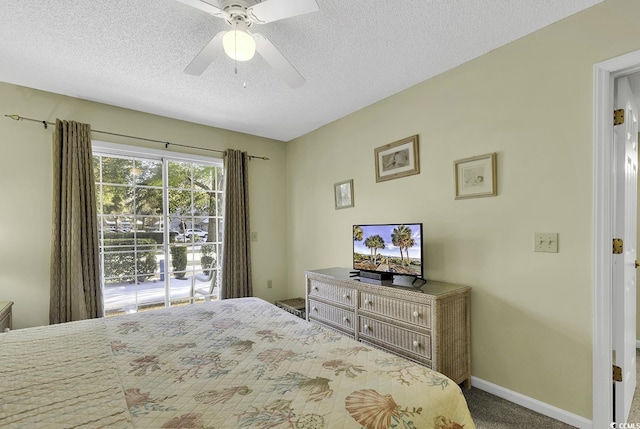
{"points": [[160, 221]]}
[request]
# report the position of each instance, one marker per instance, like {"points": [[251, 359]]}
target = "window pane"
{"points": [[205, 176], [179, 175], [96, 168], [180, 202], [153, 224], [148, 201], [219, 205], [201, 203], [209, 228], [178, 258], [116, 224], [117, 200], [220, 228], [99, 198], [117, 171], [148, 173]]}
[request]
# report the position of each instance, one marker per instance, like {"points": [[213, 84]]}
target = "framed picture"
{"points": [[398, 159], [343, 192], [476, 177]]}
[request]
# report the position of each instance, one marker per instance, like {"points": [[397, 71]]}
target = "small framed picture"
{"points": [[398, 159], [476, 177], [343, 192]]}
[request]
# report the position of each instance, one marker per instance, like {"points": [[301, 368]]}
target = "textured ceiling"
{"points": [[352, 53]]}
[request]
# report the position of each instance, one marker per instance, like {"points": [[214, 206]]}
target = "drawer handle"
{"points": [[345, 296], [416, 343], [366, 327], [344, 319], [366, 302], [315, 308], [315, 288], [416, 314]]}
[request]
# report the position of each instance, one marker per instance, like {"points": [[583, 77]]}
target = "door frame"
{"points": [[604, 74]]}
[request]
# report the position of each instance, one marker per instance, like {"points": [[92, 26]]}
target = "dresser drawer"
{"points": [[418, 344], [339, 294], [406, 311], [332, 315]]}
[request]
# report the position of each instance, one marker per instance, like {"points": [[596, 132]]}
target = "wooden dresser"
{"points": [[5, 316], [430, 325]]}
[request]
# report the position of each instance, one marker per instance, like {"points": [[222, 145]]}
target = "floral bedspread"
{"points": [[245, 363]]}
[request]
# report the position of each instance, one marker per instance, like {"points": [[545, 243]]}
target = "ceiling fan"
{"points": [[241, 45]]}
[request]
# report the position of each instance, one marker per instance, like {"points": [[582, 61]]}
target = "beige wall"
{"points": [[25, 190], [531, 102]]}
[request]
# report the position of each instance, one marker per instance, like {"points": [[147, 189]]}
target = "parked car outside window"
{"points": [[198, 234]]}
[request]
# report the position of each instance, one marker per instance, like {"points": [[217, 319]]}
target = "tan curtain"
{"points": [[236, 247], [75, 274]]}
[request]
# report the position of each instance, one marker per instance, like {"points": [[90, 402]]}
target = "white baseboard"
{"points": [[532, 404]]}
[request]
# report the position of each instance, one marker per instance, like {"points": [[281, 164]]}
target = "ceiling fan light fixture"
{"points": [[238, 44]]}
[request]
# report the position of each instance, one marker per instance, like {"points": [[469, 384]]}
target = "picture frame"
{"points": [[476, 177], [397, 159], [343, 194]]}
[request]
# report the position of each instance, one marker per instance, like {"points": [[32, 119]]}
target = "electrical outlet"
{"points": [[545, 242]]}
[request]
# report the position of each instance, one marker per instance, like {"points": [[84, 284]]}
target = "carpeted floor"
{"points": [[490, 412], [634, 414]]}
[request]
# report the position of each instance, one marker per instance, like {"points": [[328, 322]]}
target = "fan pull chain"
{"points": [[235, 48]]}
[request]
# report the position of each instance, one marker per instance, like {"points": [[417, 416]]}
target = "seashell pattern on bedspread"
{"points": [[240, 363]]}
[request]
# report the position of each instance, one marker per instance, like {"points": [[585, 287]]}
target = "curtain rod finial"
{"points": [[14, 117]]}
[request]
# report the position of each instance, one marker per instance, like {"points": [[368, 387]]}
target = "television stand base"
{"points": [[376, 277], [388, 282]]}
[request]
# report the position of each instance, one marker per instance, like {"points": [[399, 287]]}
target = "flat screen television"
{"points": [[388, 248]]}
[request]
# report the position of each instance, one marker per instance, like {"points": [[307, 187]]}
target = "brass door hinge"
{"points": [[618, 246], [617, 373], [618, 117]]}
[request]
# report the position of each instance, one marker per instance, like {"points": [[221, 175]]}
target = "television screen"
{"points": [[388, 248]]}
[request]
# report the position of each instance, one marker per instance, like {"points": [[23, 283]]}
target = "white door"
{"points": [[624, 271]]}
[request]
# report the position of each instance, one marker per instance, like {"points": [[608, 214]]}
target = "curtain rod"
{"points": [[165, 143]]}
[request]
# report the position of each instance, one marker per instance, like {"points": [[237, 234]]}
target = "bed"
{"points": [[238, 363]]}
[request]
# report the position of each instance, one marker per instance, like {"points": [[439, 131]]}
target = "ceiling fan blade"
{"points": [[273, 10], [277, 61], [205, 7], [211, 50]]}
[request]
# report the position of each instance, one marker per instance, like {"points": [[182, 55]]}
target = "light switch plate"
{"points": [[545, 242]]}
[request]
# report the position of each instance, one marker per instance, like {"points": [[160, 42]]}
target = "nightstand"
{"points": [[295, 306], [5, 316]]}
